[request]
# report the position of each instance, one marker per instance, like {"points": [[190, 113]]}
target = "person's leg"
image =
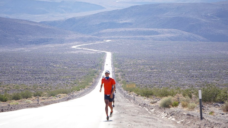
{"points": [[113, 101], [113, 104], [106, 99], [106, 106], [110, 105]]}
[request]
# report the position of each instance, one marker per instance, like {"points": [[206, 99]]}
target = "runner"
{"points": [[109, 83]]}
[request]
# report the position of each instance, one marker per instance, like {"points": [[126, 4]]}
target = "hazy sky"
{"points": [[124, 3], [106, 2], [157, 1]]}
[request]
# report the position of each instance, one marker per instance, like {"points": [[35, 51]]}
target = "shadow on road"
{"points": [[107, 121]]}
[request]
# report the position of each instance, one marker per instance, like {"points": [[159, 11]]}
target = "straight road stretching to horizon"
{"points": [[85, 112]]}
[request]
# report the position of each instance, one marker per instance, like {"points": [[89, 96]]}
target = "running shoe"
{"points": [[107, 118]]}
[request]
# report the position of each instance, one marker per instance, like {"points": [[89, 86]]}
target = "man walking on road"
{"points": [[109, 88]]}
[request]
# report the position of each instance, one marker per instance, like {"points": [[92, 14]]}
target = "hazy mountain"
{"points": [[148, 34], [15, 32], [208, 20], [117, 4], [10, 7]]}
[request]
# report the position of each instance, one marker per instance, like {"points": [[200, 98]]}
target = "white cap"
{"points": [[107, 71]]}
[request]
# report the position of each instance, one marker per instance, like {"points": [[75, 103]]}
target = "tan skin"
{"points": [[107, 103]]}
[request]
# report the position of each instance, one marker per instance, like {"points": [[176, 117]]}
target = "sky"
{"points": [[152, 1], [118, 4], [125, 3], [160, 1]]}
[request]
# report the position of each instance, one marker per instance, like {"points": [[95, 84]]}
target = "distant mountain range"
{"points": [[16, 33], [148, 34], [34, 7], [203, 20]]}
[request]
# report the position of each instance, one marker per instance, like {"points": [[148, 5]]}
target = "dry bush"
{"points": [[184, 104], [26, 94], [175, 100], [191, 106], [16, 96], [166, 102], [175, 103], [177, 97], [225, 107], [38, 93], [210, 93], [184, 101], [3, 98], [14, 103], [28, 101]]}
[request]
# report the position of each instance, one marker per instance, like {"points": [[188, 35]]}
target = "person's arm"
{"points": [[114, 88], [101, 87]]}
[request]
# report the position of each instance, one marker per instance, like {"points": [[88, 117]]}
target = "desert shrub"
{"points": [[16, 96], [191, 106], [28, 101], [3, 98], [38, 93], [223, 95], [175, 103], [184, 104], [58, 91], [26, 94], [52, 93], [77, 88], [210, 93], [165, 91], [147, 92], [225, 107], [161, 92], [166, 102], [14, 103], [189, 92], [144, 92], [185, 101]]}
